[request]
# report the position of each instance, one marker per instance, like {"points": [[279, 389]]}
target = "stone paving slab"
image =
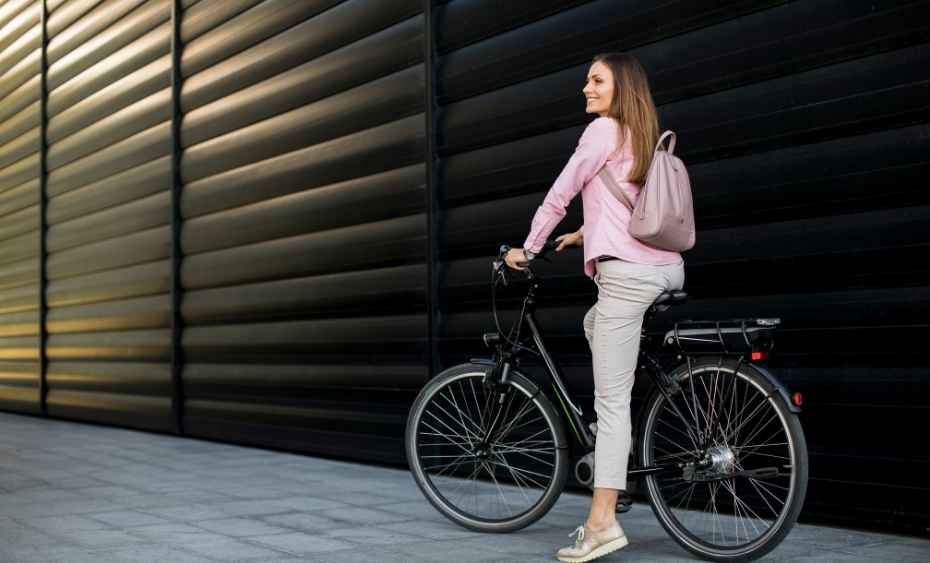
{"points": [[76, 493]]}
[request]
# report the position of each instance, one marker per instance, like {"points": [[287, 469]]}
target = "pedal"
{"points": [[624, 502]]}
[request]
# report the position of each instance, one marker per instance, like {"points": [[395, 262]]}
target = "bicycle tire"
{"points": [[472, 374], [790, 454]]}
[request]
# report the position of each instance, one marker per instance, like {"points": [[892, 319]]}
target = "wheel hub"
{"points": [[482, 451], [722, 460]]}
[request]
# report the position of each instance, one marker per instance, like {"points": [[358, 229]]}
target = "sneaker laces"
{"points": [[580, 538]]}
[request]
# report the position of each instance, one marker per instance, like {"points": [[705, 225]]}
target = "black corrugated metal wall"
{"points": [[316, 186]]}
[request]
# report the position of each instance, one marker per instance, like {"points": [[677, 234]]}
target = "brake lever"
{"points": [[500, 271]]}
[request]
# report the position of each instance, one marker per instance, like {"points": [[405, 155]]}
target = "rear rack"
{"points": [[729, 336]]}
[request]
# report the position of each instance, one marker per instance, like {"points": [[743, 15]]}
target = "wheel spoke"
{"points": [[469, 435], [436, 432], [497, 479], [466, 423], [509, 427], [738, 429]]}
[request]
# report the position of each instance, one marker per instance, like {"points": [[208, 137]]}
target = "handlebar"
{"points": [[499, 274], [499, 267]]}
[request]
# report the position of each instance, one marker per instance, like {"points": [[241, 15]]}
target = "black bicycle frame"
{"points": [[504, 362]]}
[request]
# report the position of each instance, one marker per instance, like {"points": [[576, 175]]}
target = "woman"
{"points": [[629, 274]]}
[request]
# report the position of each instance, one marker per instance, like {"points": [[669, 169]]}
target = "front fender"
{"points": [[534, 389]]}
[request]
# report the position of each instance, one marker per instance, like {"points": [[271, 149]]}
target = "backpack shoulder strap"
{"points": [[615, 189]]}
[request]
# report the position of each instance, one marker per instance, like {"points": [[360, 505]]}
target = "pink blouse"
{"points": [[606, 220]]}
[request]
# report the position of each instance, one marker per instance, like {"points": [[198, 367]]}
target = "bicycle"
{"points": [[717, 441]]}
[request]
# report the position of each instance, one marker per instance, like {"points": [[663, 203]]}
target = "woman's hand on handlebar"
{"points": [[515, 258], [569, 239]]}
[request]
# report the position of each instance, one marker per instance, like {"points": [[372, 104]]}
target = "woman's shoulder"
{"points": [[605, 131], [603, 125], [602, 131]]}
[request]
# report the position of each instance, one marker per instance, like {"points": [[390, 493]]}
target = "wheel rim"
{"points": [[742, 456], [496, 480]]}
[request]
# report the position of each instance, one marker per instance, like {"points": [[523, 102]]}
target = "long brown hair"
{"points": [[634, 108]]}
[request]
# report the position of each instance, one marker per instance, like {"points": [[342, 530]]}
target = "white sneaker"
{"points": [[590, 545]]}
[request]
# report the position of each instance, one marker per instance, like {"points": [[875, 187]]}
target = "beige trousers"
{"points": [[612, 327]]}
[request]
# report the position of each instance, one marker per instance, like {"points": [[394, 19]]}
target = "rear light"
{"points": [[757, 356], [797, 399]]}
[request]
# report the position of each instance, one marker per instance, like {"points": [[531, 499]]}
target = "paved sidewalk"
{"points": [[79, 493]]}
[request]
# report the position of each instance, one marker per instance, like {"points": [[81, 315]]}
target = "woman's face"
{"points": [[599, 89]]}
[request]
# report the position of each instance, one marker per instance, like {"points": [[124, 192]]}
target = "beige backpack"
{"points": [[664, 214]]}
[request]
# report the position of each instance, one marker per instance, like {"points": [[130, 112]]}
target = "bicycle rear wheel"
{"points": [[742, 461], [489, 482]]}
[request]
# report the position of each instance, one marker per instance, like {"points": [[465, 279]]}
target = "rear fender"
{"points": [[776, 384]]}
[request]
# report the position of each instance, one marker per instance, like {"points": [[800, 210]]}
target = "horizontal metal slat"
{"points": [[308, 168], [11, 9], [21, 147], [141, 214], [399, 335], [21, 123], [247, 29], [147, 49], [362, 200], [19, 374], [19, 348], [138, 248], [334, 418], [20, 98], [19, 247], [299, 129], [23, 323], [312, 46], [19, 222], [64, 13], [18, 299], [134, 281], [18, 273], [133, 411], [19, 198], [109, 39], [289, 101], [380, 148], [141, 148], [66, 38], [20, 19], [130, 314], [360, 246], [462, 23], [129, 345], [20, 61], [68, 201], [19, 173], [124, 378], [20, 399], [202, 17], [109, 131], [204, 379], [371, 291], [117, 97]]}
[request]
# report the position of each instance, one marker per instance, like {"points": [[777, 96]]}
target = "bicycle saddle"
{"points": [[668, 298]]}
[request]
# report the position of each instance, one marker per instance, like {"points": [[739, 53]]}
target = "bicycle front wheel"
{"points": [[489, 481], [739, 459]]}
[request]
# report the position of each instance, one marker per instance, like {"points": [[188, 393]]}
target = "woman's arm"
{"points": [[597, 141]]}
